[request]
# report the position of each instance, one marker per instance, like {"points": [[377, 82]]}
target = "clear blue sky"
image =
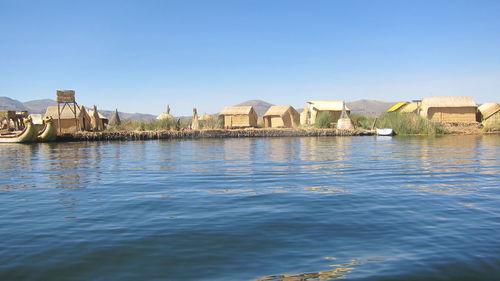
{"points": [[138, 56]]}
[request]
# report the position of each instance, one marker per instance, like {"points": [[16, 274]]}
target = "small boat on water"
{"points": [[385, 132], [49, 131], [28, 134]]}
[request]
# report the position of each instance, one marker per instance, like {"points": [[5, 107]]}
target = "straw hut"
{"points": [[195, 125], [281, 116], [449, 109], [489, 113], [98, 121], [239, 117], [334, 108], [165, 115], [67, 122], [115, 119]]}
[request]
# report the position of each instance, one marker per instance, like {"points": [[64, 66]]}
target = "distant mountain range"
{"points": [[363, 107], [40, 106], [259, 106]]}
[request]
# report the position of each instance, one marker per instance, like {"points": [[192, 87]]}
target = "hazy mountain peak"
{"points": [[259, 106]]}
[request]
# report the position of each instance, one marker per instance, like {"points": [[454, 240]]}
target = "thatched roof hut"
{"points": [[165, 115], [449, 109], [239, 117], [98, 121], [115, 119], [334, 108], [68, 123], [281, 116], [489, 113]]}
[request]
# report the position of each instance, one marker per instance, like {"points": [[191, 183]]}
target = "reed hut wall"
{"points": [[281, 117], [68, 122], [333, 108], [239, 117], [334, 114], [489, 113], [449, 109]]}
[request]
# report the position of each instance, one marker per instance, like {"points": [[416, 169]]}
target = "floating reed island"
{"points": [[428, 116], [213, 133]]}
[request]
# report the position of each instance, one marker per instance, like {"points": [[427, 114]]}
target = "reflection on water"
{"points": [[239, 209]]}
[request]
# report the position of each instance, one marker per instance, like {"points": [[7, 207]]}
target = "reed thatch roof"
{"points": [[488, 109], [278, 110], [327, 105], [236, 110], [452, 101], [91, 113], [397, 106], [66, 113], [115, 119]]}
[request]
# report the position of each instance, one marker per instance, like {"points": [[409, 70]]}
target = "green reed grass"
{"points": [[323, 120], [401, 123], [142, 125]]}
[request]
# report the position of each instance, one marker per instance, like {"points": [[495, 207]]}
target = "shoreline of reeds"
{"points": [[208, 133]]}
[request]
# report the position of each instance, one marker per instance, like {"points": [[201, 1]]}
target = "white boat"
{"points": [[385, 132]]}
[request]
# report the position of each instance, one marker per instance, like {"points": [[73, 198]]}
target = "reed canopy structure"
{"points": [[115, 119], [314, 108], [454, 109], [281, 116], [238, 117], [489, 113], [68, 122]]}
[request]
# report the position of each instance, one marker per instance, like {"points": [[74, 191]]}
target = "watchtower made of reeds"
{"points": [[65, 98]]}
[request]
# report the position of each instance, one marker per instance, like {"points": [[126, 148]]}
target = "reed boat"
{"points": [[49, 131], [385, 132], [28, 134]]}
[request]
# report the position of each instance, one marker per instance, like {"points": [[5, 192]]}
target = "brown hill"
{"points": [[369, 107], [259, 106]]}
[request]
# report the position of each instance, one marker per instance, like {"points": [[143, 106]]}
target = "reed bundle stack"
{"points": [[195, 125], [489, 113], [217, 133]]}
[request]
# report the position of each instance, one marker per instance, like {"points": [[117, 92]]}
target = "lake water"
{"points": [[358, 208]]}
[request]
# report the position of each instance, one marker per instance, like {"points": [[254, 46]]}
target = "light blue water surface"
{"points": [[358, 208]]}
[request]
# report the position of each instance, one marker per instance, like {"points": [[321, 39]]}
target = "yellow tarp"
{"points": [[397, 106]]}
